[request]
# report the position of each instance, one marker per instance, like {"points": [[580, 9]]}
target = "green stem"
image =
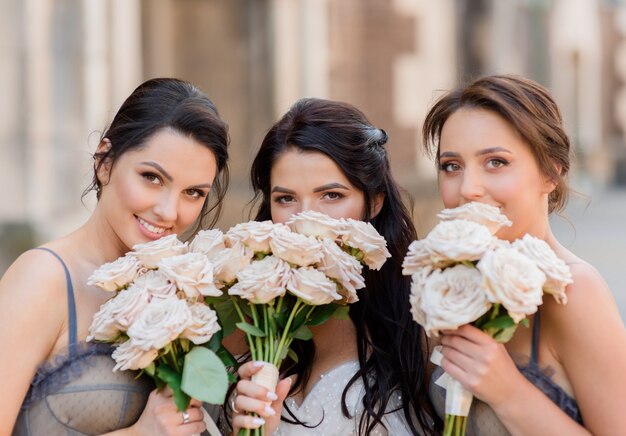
{"points": [[248, 336], [259, 341], [292, 315]]}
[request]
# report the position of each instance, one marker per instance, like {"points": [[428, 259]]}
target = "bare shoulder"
{"points": [[35, 273]]}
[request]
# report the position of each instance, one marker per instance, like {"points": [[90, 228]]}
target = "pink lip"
{"points": [[147, 233]]}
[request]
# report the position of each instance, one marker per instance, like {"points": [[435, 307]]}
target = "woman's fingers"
{"points": [[248, 369], [247, 421], [250, 389]]}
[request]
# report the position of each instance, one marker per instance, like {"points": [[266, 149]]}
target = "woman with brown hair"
{"points": [[500, 140]]}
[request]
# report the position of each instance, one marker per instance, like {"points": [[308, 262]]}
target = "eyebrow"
{"points": [[170, 178], [478, 153], [318, 189], [159, 168]]}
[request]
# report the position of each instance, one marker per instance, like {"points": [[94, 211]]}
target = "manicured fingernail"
{"points": [[271, 396], [258, 421], [269, 411], [258, 363]]}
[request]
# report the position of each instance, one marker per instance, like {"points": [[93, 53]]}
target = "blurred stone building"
{"points": [[66, 66]]}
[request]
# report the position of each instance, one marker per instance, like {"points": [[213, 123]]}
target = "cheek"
{"points": [[449, 193], [132, 195], [280, 215]]}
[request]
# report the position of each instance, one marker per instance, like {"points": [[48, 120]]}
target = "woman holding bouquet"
{"points": [[500, 140], [160, 169], [365, 374]]}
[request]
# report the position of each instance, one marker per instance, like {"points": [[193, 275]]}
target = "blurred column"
{"points": [[126, 48], [300, 43], [40, 180], [619, 97], [419, 77], [576, 55]]}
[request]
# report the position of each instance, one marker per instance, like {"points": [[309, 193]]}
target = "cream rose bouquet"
{"points": [[283, 278], [158, 320], [462, 274]]}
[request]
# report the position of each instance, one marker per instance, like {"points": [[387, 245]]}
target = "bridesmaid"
{"points": [[500, 141], [160, 168], [367, 374]]}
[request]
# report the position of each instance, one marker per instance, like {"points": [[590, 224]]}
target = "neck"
{"points": [[335, 343], [100, 243]]}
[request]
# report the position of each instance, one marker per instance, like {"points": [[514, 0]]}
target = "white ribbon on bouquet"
{"points": [[458, 399]]}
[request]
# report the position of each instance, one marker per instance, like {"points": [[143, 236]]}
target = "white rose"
{"points": [[115, 275], [312, 286], [420, 256], [339, 265], [418, 282], [253, 234], [103, 326], [294, 248], [156, 283], [558, 274], [262, 280], [364, 237], [161, 322], [231, 261], [481, 213], [192, 273], [203, 324], [152, 252], [129, 356], [458, 240], [316, 224], [118, 313], [209, 242], [453, 297], [513, 280]]}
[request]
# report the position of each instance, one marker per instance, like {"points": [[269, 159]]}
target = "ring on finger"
{"points": [[185, 417], [233, 397]]}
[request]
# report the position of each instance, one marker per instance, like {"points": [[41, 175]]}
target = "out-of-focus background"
{"points": [[66, 66]]}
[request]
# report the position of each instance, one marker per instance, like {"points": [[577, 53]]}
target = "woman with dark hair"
{"points": [[160, 169], [500, 140], [365, 375]]}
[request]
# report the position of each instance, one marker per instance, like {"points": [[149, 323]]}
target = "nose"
{"points": [[166, 207], [471, 185]]}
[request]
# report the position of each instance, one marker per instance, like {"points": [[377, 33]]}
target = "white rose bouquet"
{"points": [[283, 278], [462, 274], [158, 320]]}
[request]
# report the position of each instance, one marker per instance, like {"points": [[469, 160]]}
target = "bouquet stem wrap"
{"points": [[267, 377], [458, 399]]}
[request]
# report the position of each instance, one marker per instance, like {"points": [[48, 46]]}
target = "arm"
{"points": [[587, 336], [33, 314]]}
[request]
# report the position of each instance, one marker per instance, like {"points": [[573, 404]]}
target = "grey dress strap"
{"points": [[71, 305], [534, 351]]}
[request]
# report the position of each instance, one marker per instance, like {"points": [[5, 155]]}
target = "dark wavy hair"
{"points": [[392, 348], [528, 107], [166, 103]]}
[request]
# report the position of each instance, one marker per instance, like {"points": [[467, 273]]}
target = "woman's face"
{"points": [[158, 189], [303, 181], [482, 158]]}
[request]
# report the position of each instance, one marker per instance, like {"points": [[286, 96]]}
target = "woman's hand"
{"points": [[161, 417], [250, 397], [479, 363]]}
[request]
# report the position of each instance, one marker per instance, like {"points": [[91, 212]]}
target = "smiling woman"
{"points": [[160, 169]]}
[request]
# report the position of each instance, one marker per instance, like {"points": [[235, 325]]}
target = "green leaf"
{"points": [[173, 380], [227, 315], [150, 369], [303, 333], [322, 313], [506, 334], [226, 357], [501, 322], [525, 322], [250, 329], [292, 354], [215, 343], [342, 312], [204, 376]]}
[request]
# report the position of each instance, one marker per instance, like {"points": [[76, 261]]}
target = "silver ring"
{"points": [[233, 397], [185, 417]]}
